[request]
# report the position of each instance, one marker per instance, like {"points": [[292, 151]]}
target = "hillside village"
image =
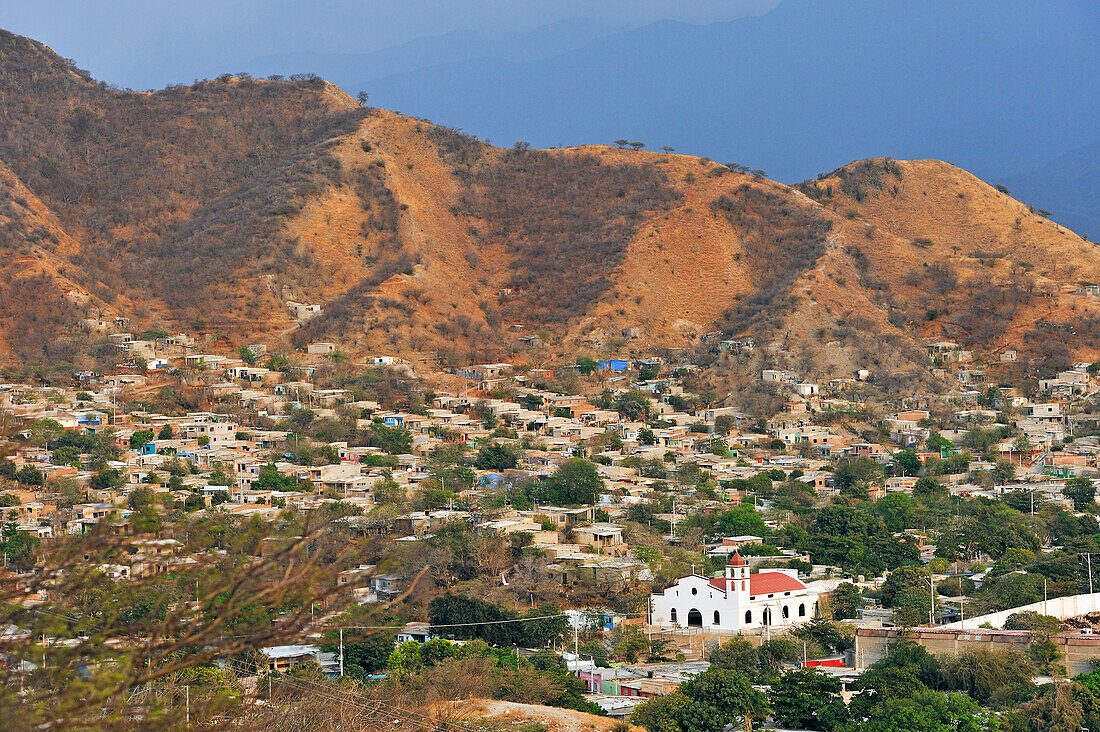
{"points": [[315, 415], [611, 503]]}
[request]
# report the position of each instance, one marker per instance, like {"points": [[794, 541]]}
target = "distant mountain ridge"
{"points": [[209, 207], [997, 87], [1067, 186]]}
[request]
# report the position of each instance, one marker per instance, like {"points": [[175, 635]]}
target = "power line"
{"points": [[456, 625], [342, 696]]}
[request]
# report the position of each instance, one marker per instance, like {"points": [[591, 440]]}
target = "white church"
{"points": [[740, 600]]}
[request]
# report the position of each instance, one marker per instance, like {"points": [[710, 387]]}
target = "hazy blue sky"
{"points": [[147, 43], [1005, 88]]}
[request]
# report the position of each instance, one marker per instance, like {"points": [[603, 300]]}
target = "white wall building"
{"points": [[736, 601]]}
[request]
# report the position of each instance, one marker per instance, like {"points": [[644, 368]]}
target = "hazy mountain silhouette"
{"points": [[997, 87], [1067, 187], [351, 69]]}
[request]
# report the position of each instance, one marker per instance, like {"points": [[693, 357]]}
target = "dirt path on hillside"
{"points": [[555, 719]]}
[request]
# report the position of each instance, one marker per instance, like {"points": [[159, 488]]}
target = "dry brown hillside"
{"points": [[208, 207]]}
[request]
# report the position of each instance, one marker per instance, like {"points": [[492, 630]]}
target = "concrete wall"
{"points": [[1059, 607], [1076, 650]]}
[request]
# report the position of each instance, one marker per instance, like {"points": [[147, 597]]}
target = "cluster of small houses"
{"points": [[740, 600], [560, 422]]}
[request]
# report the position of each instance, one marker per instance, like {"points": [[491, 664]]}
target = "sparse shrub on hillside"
{"points": [[157, 185], [782, 241], [566, 219], [862, 179]]}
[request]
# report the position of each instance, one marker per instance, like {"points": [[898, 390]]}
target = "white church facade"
{"points": [[735, 602]]}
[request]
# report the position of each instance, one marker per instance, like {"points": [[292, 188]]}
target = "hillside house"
{"points": [[779, 376], [303, 311], [603, 537]]}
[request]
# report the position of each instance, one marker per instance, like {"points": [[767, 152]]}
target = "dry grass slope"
{"points": [[213, 204]]}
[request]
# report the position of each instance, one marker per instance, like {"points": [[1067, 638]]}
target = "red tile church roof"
{"points": [[769, 582], [764, 583]]}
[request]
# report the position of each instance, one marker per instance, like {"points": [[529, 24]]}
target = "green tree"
{"points": [[30, 475], [1081, 491], [1003, 472], [270, 479], [497, 456], [143, 503], [634, 405], [459, 611], [597, 651], [853, 476], [394, 440], [928, 486], [660, 714], [575, 482], [587, 365], [140, 438], [846, 599], [1033, 621], [982, 672], [46, 430], [906, 462], [927, 711], [107, 479], [736, 654], [907, 590], [723, 423], [646, 436], [896, 510], [807, 699], [365, 657], [17, 547], [165, 433], [939, 443], [720, 697]]}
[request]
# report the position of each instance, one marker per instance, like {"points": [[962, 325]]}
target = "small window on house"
{"points": [[672, 615], [717, 619], [786, 611], [802, 610], [748, 616], [695, 590]]}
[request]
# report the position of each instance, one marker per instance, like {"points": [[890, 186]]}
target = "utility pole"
{"points": [[187, 696], [576, 652], [932, 590], [341, 651]]}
